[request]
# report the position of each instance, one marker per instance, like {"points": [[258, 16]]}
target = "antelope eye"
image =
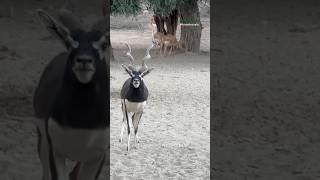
{"points": [[84, 60]]}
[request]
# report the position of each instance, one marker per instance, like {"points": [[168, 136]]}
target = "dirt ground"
{"points": [[174, 129], [266, 90]]}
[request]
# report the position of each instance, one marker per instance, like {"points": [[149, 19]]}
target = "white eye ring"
{"points": [[140, 77]]}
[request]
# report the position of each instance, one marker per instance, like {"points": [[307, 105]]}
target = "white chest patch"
{"points": [[134, 106], [77, 144]]}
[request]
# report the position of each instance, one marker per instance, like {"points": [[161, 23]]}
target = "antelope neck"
{"points": [[81, 106]]}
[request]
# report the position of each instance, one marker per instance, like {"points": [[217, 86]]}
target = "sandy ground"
{"points": [[266, 83], [174, 129]]}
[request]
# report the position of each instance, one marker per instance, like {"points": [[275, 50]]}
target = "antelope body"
{"points": [[169, 41], [70, 103], [164, 41], [134, 95]]}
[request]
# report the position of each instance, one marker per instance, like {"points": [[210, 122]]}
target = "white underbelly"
{"points": [[78, 144], [134, 106]]}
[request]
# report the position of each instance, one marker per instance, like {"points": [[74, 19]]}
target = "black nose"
{"points": [[84, 60]]}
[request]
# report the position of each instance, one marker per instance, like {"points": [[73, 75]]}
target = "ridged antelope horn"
{"points": [[129, 53], [147, 57]]}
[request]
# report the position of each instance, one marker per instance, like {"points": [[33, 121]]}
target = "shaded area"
{"points": [[25, 49], [266, 90]]}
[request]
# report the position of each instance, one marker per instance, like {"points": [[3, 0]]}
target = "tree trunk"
{"points": [[159, 20], [190, 27], [191, 37], [172, 22]]}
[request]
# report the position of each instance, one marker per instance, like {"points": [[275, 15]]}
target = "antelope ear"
{"points": [[144, 73], [127, 69], [102, 44], [57, 29]]}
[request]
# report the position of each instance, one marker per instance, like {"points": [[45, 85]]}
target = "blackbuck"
{"points": [[134, 95], [70, 102]]}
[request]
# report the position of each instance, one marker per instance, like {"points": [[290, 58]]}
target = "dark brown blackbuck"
{"points": [[70, 101], [134, 95]]}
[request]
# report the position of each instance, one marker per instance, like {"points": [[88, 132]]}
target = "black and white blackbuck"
{"points": [[70, 102], [134, 95]]}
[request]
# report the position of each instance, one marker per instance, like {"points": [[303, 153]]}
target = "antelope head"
{"points": [[86, 49], [137, 72]]}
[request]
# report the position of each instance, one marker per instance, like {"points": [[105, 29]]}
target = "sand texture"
{"points": [[174, 129]]}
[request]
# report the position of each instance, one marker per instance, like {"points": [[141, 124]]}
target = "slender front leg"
{"points": [[170, 52], [165, 50], [122, 129], [136, 121], [44, 158], [162, 49], [129, 122], [126, 113], [123, 120], [60, 163], [43, 149]]}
